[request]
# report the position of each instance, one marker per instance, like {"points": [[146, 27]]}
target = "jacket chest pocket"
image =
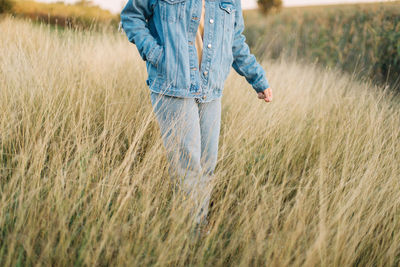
{"points": [[172, 10], [228, 8]]}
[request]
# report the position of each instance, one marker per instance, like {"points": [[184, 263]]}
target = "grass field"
{"points": [[362, 37], [65, 15], [310, 179]]}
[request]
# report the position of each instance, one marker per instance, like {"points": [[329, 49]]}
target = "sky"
{"points": [[116, 5]]}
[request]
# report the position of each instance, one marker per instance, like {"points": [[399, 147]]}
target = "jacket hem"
{"points": [[205, 97]]}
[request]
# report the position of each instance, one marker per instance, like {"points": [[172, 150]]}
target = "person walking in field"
{"points": [[189, 47]]}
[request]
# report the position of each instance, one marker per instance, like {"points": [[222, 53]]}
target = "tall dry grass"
{"points": [[79, 15], [365, 37], [310, 179]]}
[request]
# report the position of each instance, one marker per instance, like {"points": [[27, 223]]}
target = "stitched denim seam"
{"points": [[150, 56], [159, 57]]}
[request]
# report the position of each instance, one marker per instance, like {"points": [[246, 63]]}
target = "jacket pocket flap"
{"points": [[174, 1], [227, 5]]}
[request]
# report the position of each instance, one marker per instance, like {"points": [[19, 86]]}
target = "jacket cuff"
{"points": [[155, 54], [261, 85]]}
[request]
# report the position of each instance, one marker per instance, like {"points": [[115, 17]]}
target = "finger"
{"points": [[269, 94], [261, 95]]}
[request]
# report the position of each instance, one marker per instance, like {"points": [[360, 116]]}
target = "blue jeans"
{"points": [[190, 132]]}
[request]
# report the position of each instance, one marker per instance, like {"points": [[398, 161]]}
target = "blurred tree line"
{"points": [[267, 6], [363, 40], [5, 6], [82, 14]]}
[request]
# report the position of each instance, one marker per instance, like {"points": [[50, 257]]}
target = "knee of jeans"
{"points": [[208, 164], [184, 167], [185, 159]]}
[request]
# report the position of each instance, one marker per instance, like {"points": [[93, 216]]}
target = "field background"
{"points": [[78, 16], [362, 39], [309, 179]]}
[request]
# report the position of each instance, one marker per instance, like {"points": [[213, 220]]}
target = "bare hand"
{"points": [[266, 95]]}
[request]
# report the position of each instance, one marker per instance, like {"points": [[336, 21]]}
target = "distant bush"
{"points": [[267, 6], [79, 15], [5, 6], [365, 39]]}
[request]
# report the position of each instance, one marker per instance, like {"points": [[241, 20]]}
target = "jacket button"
{"points": [[204, 97], [205, 73], [211, 21], [209, 45]]}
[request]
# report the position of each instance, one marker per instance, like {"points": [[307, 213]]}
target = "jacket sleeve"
{"points": [[134, 18], [244, 62]]}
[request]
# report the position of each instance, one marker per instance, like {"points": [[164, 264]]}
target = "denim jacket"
{"points": [[164, 33]]}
